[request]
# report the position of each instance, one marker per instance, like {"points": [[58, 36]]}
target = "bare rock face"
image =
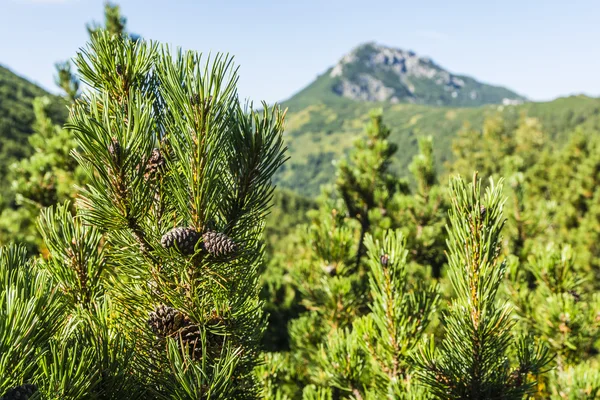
{"points": [[365, 88], [373, 72]]}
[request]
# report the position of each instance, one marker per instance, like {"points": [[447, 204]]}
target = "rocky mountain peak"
{"points": [[373, 72]]}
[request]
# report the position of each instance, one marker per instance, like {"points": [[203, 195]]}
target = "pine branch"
{"points": [[472, 361]]}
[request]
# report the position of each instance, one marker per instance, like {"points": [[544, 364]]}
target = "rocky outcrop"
{"points": [[373, 72]]}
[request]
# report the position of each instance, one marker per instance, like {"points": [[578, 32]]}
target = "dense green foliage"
{"points": [[333, 270], [472, 361], [325, 129], [288, 211], [50, 175], [125, 306], [520, 309], [46, 178], [397, 282], [16, 121]]}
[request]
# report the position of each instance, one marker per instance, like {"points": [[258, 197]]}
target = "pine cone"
{"points": [[114, 149], [166, 321], [184, 239], [190, 335], [384, 259], [22, 392], [218, 244], [155, 163]]}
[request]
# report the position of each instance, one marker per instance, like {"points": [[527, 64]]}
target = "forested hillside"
{"points": [[322, 132], [17, 117]]}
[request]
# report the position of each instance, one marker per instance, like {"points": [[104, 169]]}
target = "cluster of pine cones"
{"points": [[22, 392], [185, 240], [167, 322]]}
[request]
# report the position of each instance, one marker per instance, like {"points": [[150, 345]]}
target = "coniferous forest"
{"points": [[149, 251]]}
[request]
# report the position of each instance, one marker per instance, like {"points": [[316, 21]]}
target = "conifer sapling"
{"points": [[474, 360]]}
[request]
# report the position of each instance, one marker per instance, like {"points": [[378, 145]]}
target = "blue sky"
{"points": [[540, 48]]}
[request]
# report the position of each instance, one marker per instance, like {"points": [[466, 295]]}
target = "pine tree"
{"points": [[474, 360], [401, 310], [517, 152], [215, 188], [421, 214], [561, 309], [327, 288], [574, 185], [552, 227], [149, 288], [114, 22], [341, 345], [364, 181], [328, 246]]}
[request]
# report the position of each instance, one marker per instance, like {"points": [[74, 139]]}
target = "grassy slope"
{"points": [[319, 132]]}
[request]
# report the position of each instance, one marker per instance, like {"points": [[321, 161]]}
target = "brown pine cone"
{"points": [[184, 239], [218, 244]]}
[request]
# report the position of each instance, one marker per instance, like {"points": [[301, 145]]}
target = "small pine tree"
{"points": [[364, 181], [114, 21], [421, 215], [560, 309], [401, 309], [330, 275], [179, 178], [474, 360], [150, 290]]}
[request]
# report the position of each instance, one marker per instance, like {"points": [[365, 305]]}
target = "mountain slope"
{"points": [[322, 132], [372, 73], [16, 117]]}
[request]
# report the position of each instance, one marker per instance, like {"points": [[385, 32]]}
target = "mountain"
{"points": [[376, 73], [418, 98], [16, 117]]}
